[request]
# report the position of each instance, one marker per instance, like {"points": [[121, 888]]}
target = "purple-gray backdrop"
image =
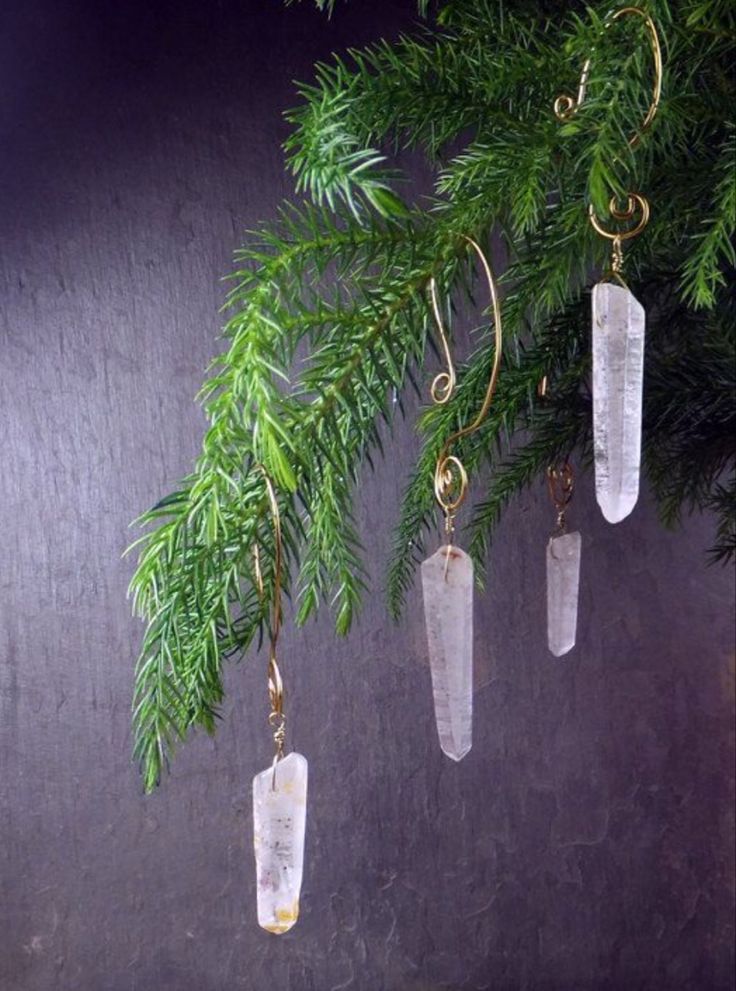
{"points": [[585, 843]]}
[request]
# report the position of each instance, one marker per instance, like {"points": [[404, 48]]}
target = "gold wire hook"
{"points": [[566, 106], [450, 475], [276, 717], [443, 385]]}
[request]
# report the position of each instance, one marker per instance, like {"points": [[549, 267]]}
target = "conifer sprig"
{"points": [[328, 323]]}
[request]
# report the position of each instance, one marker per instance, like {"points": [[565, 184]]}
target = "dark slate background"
{"points": [[585, 843]]}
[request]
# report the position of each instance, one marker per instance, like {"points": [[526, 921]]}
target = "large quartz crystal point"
{"points": [[563, 582], [448, 610], [618, 376], [279, 823]]}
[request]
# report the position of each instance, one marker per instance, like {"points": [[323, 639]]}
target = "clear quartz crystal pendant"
{"points": [[447, 585], [618, 375], [279, 824], [563, 582]]}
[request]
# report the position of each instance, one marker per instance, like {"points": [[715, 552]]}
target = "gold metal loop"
{"points": [[566, 106], [443, 386], [635, 204], [450, 476]]}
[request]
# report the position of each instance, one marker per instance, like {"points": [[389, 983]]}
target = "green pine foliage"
{"points": [[344, 277]]}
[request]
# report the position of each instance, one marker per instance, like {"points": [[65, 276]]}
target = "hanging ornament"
{"points": [[618, 321], [447, 576], [280, 791], [618, 381], [563, 566]]}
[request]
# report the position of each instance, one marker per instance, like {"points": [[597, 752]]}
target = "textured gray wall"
{"points": [[585, 843]]}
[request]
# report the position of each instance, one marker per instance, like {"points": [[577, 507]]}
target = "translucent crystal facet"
{"points": [[279, 823], [447, 584], [563, 581], [618, 376]]}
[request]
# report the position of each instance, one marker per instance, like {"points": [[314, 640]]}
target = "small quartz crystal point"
{"points": [[618, 376], [563, 582], [447, 584], [279, 823]]}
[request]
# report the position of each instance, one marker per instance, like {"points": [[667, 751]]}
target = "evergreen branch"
{"points": [[722, 502], [197, 562], [689, 430], [346, 277]]}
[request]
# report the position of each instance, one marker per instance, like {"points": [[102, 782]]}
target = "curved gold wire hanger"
{"points": [[566, 106], [276, 717], [450, 490]]}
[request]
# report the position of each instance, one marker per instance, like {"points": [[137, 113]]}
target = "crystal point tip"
{"points": [[456, 754], [615, 509]]}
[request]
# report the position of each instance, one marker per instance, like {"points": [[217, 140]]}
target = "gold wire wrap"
{"points": [[566, 106], [276, 717], [450, 475], [560, 485]]}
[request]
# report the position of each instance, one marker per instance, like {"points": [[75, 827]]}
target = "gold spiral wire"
{"points": [[450, 475], [565, 106], [443, 384]]}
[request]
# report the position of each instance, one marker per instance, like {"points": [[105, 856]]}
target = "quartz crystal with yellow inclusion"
{"points": [[447, 584], [279, 824]]}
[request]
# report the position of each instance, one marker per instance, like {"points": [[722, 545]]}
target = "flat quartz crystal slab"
{"points": [[618, 376], [279, 824], [448, 610], [563, 583]]}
